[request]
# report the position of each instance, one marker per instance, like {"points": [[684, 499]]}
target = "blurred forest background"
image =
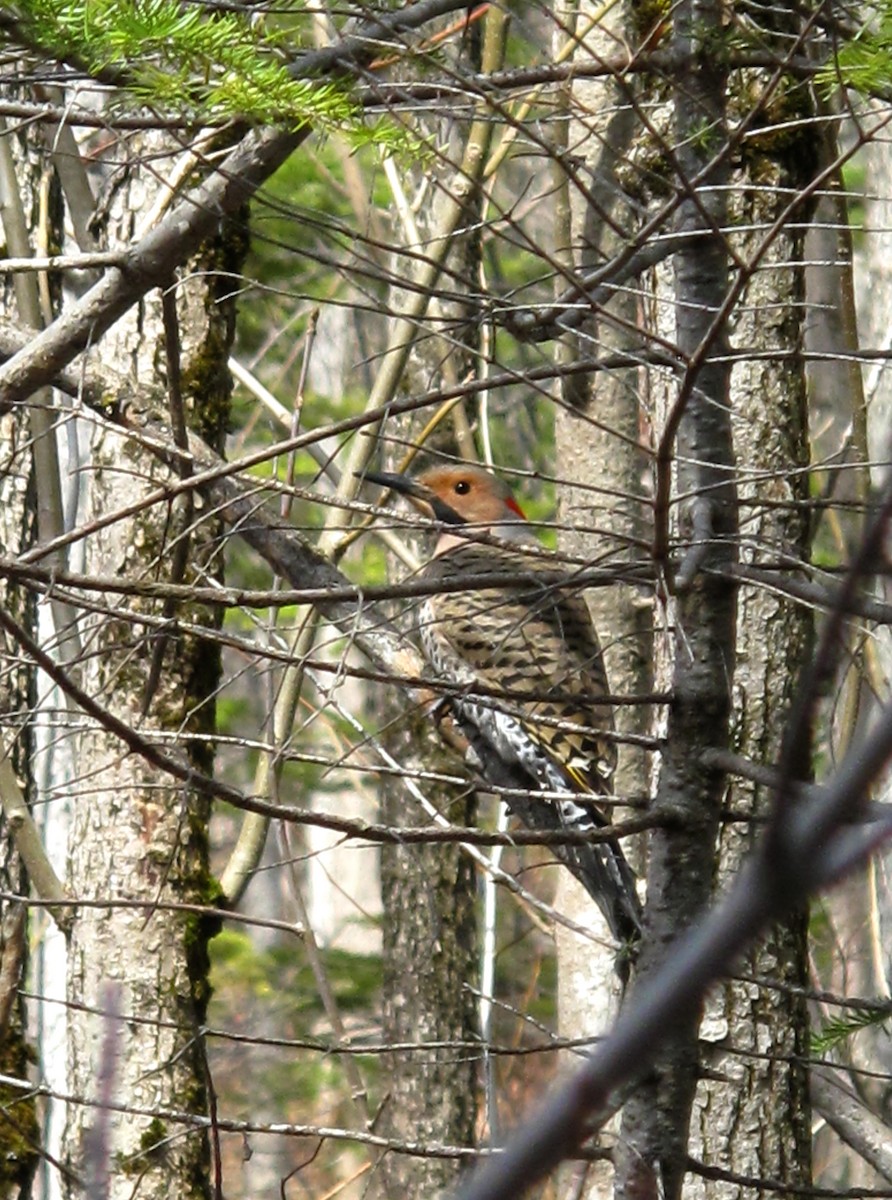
{"points": [[260, 932]]}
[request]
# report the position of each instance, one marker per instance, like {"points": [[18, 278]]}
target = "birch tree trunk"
{"points": [[603, 510], [30, 220]]}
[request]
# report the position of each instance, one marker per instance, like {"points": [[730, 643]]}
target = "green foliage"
{"points": [[304, 247], [283, 974], [864, 62], [839, 1029], [180, 58], [276, 987], [854, 178], [375, 569], [232, 710]]}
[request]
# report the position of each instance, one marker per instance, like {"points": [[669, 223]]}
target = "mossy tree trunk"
{"points": [[137, 968]]}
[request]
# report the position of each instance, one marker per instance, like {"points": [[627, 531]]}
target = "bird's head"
{"points": [[461, 495]]}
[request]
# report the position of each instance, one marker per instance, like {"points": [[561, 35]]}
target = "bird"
{"points": [[505, 627]]}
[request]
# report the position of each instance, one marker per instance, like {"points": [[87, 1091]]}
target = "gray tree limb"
{"points": [[149, 264], [858, 1127], [152, 261]]}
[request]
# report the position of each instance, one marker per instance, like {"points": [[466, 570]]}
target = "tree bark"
{"points": [[134, 837], [24, 200], [602, 506], [751, 1112], [696, 462], [430, 944], [19, 1132]]}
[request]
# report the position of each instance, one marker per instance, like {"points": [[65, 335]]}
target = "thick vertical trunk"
{"points": [[429, 892], [429, 954], [698, 451], [138, 843], [751, 1111], [429, 951], [603, 515], [762, 655]]}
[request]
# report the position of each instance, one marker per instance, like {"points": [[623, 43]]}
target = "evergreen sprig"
{"points": [[864, 61], [837, 1030], [179, 57]]}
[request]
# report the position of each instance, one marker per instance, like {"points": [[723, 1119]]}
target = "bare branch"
{"points": [[858, 1127]]}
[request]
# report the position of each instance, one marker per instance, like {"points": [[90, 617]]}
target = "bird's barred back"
{"points": [[532, 650]]}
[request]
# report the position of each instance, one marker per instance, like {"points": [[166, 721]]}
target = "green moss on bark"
{"points": [[19, 1127]]}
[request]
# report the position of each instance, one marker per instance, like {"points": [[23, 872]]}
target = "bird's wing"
{"points": [[532, 640]]}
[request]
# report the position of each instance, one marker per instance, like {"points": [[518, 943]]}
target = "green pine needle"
{"points": [[864, 62], [179, 58], [839, 1029]]}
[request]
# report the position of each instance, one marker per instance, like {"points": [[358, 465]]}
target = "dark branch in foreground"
{"points": [[823, 846]]}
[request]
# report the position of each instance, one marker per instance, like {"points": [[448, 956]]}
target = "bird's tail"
{"points": [[600, 866], [604, 872]]}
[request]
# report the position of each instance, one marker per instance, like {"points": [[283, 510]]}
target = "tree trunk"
{"points": [[429, 893], [751, 1112], [138, 843], [429, 954], [19, 1133], [28, 214], [601, 500]]}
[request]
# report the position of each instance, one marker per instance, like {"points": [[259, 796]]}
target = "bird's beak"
{"points": [[423, 498], [404, 484]]}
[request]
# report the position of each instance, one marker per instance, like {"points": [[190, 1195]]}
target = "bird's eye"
{"points": [[462, 487]]}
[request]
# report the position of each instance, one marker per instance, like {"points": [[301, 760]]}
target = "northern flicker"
{"points": [[521, 646]]}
